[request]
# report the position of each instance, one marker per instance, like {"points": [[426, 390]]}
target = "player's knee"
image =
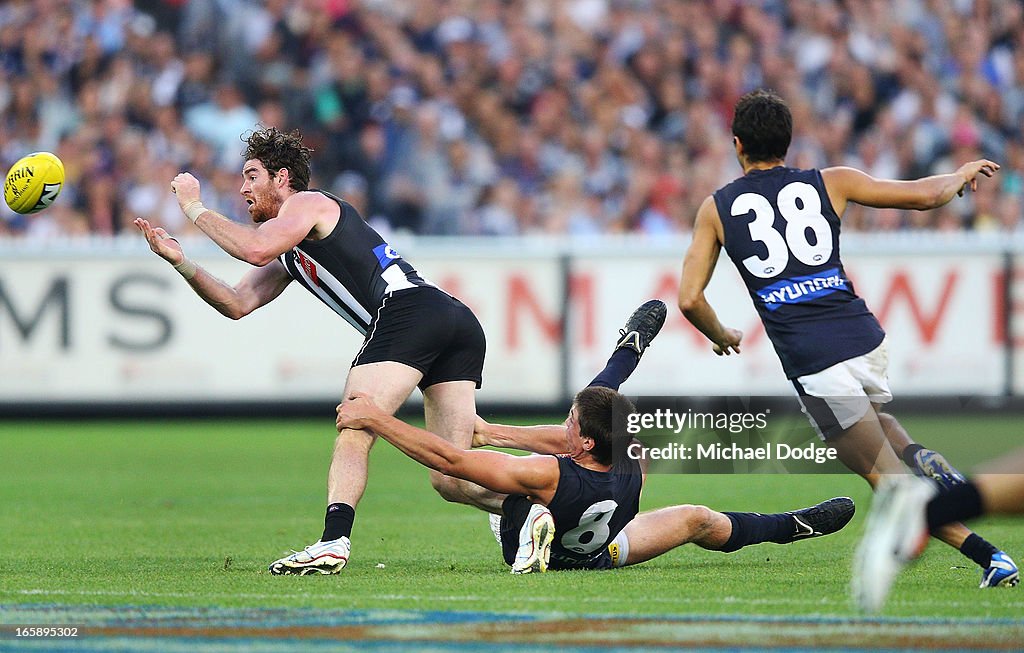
{"points": [[894, 433], [450, 488], [350, 440], [700, 518], [891, 425]]}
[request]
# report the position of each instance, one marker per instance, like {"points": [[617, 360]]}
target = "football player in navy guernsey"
{"points": [[581, 509], [415, 333], [780, 226]]}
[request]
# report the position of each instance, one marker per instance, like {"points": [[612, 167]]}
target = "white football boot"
{"points": [[535, 539], [317, 558], [896, 533]]}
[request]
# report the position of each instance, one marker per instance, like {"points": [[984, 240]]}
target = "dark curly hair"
{"points": [[276, 149], [764, 125]]}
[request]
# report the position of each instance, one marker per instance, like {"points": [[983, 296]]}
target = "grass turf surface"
{"points": [[189, 513]]}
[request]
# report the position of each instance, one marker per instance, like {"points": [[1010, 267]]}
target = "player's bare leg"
{"points": [[864, 450], [954, 534], [653, 533], [930, 464], [1001, 485], [1001, 494], [389, 384], [450, 412], [925, 462]]}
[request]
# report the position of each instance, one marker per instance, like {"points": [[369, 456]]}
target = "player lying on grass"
{"points": [[907, 509], [581, 510]]}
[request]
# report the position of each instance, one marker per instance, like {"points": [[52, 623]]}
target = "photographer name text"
{"points": [[717, 451]]}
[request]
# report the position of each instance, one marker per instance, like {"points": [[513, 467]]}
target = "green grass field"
{"points": [[189, 513]]}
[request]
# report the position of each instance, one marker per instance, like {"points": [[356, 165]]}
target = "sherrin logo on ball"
{"points": [[33, 182]]}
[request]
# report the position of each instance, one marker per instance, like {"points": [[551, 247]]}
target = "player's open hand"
{"points": [[972, 169], [729, 343], [162, 243], [356, 412], [186, 188]]}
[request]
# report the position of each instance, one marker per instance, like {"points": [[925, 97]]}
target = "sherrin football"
{"points": [[33, 182]]}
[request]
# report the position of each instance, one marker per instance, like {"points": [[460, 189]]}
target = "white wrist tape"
{"points": [[193, 210], [186, 268]]}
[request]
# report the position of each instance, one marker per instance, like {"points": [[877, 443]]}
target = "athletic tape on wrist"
{"points": [[193, 210], [186, 268]]}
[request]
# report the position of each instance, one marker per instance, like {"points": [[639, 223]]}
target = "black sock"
{"points": [[908, 454], [618, 368], [958, 503], [979, 550], [754, 528], [338, 522]]}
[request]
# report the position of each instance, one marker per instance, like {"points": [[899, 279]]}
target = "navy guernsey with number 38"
{"points": [[783, 235]]}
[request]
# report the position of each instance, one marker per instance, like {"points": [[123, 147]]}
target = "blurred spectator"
{"points": [[1011, 214], [220, 122], [494, 117], [498, 210]]}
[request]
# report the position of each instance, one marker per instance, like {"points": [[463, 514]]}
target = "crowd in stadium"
{"points": [[493, 117]]}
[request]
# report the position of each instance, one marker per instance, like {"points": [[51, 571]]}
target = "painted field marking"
{"points": [[212, 629]]}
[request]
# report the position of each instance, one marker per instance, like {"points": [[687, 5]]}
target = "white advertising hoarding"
{"points": [[126, 328], [942, 315]]}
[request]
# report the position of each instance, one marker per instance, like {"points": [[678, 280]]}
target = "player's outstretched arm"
{"points": [[698, 266], [256, 288], [851, 185], [542, 439], [255, 245], [535, 476]]}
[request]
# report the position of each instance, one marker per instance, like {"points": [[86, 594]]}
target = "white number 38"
{"points": [[800, 206]]}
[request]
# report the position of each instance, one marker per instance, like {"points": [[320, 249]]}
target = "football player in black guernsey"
{"points": [[416, 335]]}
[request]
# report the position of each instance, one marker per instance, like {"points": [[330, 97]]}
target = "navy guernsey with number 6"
{"points": [[783, 235], [589, 509]]}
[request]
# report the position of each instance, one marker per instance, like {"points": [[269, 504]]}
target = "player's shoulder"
{"points": [[708, 217], [536, 472], [843, 175], [311, 198], [844, 181], [313, 209], [311, 202]]}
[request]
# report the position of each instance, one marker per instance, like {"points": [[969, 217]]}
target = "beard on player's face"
{"points": [[265, 205], [264, 200]]}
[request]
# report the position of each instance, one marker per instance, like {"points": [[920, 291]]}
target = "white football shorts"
{"points": [[835, 398]]}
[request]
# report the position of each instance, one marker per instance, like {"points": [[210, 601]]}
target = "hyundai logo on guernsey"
{"points": [[802, 289], [385, 254]]}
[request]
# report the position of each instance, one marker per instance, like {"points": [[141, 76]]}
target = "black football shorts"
{"points": [[429, 330]]}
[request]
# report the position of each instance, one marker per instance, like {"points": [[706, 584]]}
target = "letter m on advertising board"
{"points": [[27, 320]]}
